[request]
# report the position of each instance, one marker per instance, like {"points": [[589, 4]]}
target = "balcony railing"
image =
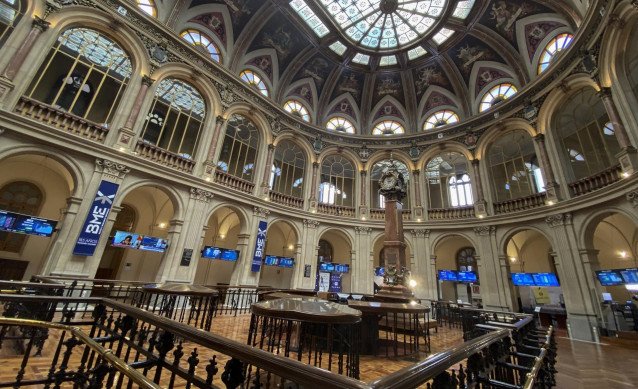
{"points": [[287, 200], [164, 157], [450, 213], [223, 178], [336, 210], [596, 181], [521, 203], [379, 214], [59, 119]]}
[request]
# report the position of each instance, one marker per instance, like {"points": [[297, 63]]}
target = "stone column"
{"points": [[265, 185], [172, 256], [417, 211], [209, 164], [63, 236], [38, 26], [363, 272], [307, 256], [126, 137], [494, 289], [551, 186], [363, 208], [313, 188], [480, 205], [422, 272], [627, 156], [576, 287], [242, 274]]}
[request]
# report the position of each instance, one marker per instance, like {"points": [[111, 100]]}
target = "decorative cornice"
{"points": [[632, 197], [421, 233], [559, 219], [261, 212], [201, 195], [112, 169], [363, 230], [309, 223], [485, 230]]}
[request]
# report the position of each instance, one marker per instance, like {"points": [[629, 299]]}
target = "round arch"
{"points": [[172, 193], [510, 233], [445, 147], [254, 114], [242, 215], [446, 235], [591, 222], [499, 130], [347, 153]]}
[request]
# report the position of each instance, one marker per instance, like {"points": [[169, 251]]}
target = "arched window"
{"points": [[85, 73], [388, 127], [325, 252], [10, 14], [203, 43], [377, 200], [448, 181], [586, 135], [557, 44], [337, 181], [440, 118], [513, 166], [148, 6], [466, 260], [222, 165], [239, 150], [20, 197], [340, 124], [175, 120], [295, 108], [496, 95], [288, 169], [254, 80]]}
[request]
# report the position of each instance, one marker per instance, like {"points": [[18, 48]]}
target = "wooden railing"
{"points": [[223, 178], [164, 157], [59, 119], [287, 200], [522, 203], [450, 213], [336, 210], [596, 181]]}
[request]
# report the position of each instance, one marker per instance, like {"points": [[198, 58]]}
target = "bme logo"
{"points": [[95, 219]]}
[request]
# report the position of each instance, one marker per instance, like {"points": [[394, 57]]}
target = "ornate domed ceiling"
{"points": [[371, 61]]}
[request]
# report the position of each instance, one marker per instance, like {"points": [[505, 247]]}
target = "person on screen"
{"points": [[128, 241]]}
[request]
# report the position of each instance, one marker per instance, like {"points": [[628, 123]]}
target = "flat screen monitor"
{"points": [[229, 255], [466, 276], [447, 275], [609, 277], [379, 271], [271, 260], [7, 219], [25, 224], [151, 243], [607, 297], [524, 279], [286, 262], [545, 279], [630, 275], [326, 267], [126, 239], [211, 252], [342, 268]]}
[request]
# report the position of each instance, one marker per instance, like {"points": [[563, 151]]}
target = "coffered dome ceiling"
{"points": [[376, 60]]}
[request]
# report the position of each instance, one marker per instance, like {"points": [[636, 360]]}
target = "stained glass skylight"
{"points": [[382, 24], [338, 48], [463, 9], [361, 59], [309, 17], [388, 60], [416, 52], [442, 35]]}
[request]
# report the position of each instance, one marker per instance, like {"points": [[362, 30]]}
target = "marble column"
{"points": [[551, 186], [265, 185], [480, 205], [209, 164], [126, 138], [627, 156]]}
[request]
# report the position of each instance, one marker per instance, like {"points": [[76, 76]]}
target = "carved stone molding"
{"points": [[310, 223], [40, 24], [485, 230], [261, 212], [421, 233], [559, 219], [147, 80], [111, 169], [201, 195], [363, 230], [631, 196]]}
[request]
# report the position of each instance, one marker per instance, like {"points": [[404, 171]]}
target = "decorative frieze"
{"points": [[559, 219], [201, 195], [112, 169], [421, 233], [485, 230], [261, 212], [363, 230], [309, 223]]}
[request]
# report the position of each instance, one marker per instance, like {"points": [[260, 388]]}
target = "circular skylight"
{"points": [[384, 24]]}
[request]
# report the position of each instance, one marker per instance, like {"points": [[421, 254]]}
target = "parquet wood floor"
{"points": [[611, 365]]}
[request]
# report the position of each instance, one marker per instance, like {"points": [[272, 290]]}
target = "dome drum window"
{"points": [[297, 109], [202, 43], [340, 124], [388, 127], [496, 95], [254, 80], [557, 44], [440, 118], [148, 6]]}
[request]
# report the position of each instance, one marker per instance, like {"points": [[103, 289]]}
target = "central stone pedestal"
{"points": [[399, 291]]}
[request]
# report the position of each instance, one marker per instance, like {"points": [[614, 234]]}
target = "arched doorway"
{"points": [[281, 241], [339, 247], [456, 253]]}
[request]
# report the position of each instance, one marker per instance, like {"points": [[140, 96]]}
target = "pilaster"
{"points": [[363, 272], [307, 255], [422, 272], [242, 275], [494, 289]]}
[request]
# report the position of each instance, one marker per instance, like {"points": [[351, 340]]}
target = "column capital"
{"points": [[201, 195], [363, 172], [485, 230], [540, 138], [40, 24], [559, 219], [416, 172], [604, 92], [147, 80], [219, 120], [271, 147], [261, 212], [112, 169], [309, 223], [632, 197], [363, 230], [420, 233], [315, 164], [475, 162]]}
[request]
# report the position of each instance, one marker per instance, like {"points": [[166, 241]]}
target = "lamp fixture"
{"points": [[412, 283], [222, 236], [162, 225], [290, 247], [623, 254], [513, 259]]}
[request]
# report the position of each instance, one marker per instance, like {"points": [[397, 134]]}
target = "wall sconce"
{"points": [[162, 225], [222, 236], [290, 247], [623, 254], [512, 259]]}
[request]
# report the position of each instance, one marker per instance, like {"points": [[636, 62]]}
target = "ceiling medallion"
{"points": [[389, 6]]}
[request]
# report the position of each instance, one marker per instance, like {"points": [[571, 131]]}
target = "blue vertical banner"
{"points": [[95, 219], [335, 282], [259, 245]]}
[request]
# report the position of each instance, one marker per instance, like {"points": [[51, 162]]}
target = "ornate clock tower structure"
{"points": [[392, 186]]}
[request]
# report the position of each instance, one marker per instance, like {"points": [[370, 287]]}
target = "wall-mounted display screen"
{"points": [[229, 255], [286, 262], [545, 279], [525, 279], [326, 267], [342, 268], [379, 271], [212, 252], [151, 243], [25, 224], [630, 275], [609, 277], [466, 276], [126, 239], [447, 275], [271, 260]]}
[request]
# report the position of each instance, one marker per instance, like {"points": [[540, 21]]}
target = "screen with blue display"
{"points": [[545, 279], [212, 252], [466, 276], [150, 243], [126, 239], [271, 260], [286, 262], [447, 275], [379, 271], [229, 255], [342, 268], [325, 266], [609, 277], [25, 224], [523, 279], [630, 275]]}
